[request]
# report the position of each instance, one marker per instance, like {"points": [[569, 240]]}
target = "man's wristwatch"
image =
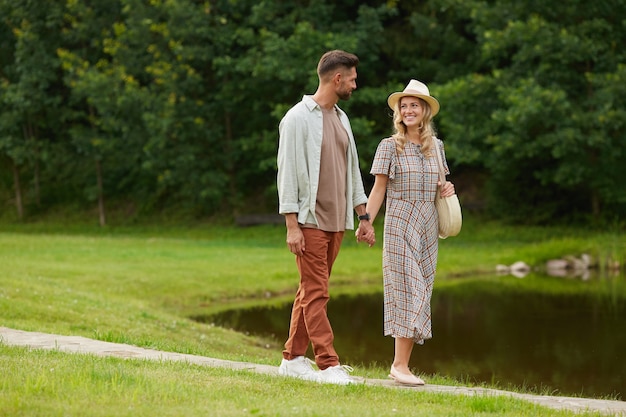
{"points": [[365, 216]]}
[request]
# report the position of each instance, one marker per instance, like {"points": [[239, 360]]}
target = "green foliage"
{"points": [[538, 120], [174, 105]]}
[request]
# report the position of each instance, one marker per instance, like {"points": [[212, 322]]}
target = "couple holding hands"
{"points": [[320, 185]]}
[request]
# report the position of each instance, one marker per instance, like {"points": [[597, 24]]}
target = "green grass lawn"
{"points": [[139, 285]]}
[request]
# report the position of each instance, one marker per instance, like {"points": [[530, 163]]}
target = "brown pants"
{"points": [[309, 321]]}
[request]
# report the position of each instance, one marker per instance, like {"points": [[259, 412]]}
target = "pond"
{"points": [[552, 335]]}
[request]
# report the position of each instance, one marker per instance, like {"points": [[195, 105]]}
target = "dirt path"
{"points": [[78, 344]]}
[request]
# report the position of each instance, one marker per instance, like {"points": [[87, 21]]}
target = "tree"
{"points": [[538, 113], [29, 97], [174, 104], [104, 99]]}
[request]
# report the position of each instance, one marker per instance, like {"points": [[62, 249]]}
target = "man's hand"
{"points": [[295, 237], [295, 241], [365, 233]]}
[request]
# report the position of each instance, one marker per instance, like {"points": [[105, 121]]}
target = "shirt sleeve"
{"points": [[385, 159], [287, 177]]}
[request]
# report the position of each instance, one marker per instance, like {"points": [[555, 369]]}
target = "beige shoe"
{"points": [[405, 379]]}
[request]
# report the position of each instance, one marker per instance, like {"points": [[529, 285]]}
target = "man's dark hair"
{"points": [[333, 60]]}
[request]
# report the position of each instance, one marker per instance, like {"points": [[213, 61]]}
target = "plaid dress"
{"points": [[410, 241]]}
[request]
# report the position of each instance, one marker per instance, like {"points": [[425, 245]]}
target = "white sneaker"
{"points": [[299, 367], [337, 374]]}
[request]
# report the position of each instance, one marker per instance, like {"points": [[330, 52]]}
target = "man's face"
{"points": [[347, 84]]}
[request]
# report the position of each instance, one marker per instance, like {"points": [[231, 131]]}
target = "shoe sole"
{"points": [[313, 378], [411, 384]]}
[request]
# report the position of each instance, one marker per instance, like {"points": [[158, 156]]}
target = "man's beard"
{"points": [[345, 94]]}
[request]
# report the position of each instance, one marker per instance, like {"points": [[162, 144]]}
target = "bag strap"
{"points": [[442, 172]]}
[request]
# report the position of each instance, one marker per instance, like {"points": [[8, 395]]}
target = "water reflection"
{"points": [[570, 343]]}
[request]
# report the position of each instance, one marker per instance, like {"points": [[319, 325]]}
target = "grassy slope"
{"points": [[140, 285]]}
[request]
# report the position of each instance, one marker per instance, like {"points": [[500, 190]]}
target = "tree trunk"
{"points": [[594, 161], [30, 136], [595, 204], [103, 221], [101, 213], [36, 180], [18, 192], [230, 164]]}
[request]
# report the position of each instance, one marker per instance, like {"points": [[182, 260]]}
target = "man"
{"points": [[319, 184]]}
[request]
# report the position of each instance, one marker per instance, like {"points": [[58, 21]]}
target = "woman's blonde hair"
{"points": [[426, 129]]}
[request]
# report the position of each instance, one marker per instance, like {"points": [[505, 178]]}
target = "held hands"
{"points": [[447, 189], [365, 233]]}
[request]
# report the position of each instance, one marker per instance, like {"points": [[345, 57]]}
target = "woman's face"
{"points": [[412, 111]]}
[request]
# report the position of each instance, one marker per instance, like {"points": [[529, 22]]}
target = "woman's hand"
{"points": [[447, 189], [366, 235]]}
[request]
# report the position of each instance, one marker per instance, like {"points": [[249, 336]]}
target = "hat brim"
{"points": [[394, 98]]}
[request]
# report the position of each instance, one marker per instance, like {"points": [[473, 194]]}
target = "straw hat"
{"points": [[415, 89]]}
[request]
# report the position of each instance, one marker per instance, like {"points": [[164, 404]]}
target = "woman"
{"points": [[406, 171]]}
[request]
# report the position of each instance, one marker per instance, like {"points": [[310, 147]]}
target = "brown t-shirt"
{"points": [[330, 207]]}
